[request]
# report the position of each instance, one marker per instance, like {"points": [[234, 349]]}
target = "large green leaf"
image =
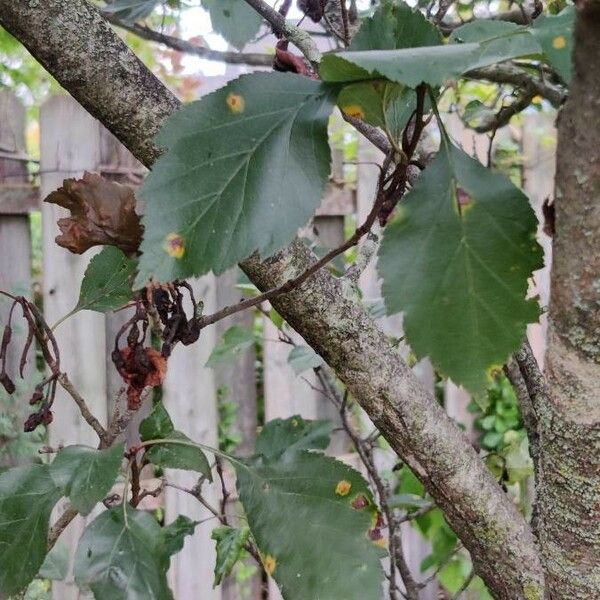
{"points": [[123, 558], [456, 260], [175, 533], [182, 455], [555, 34], [395, 25], [246, 167], [235, 20], [56, 564], [230, 544], [107, 281], [294, 433], [430, 64], [312, 541], [85, 474], [27, 497]]}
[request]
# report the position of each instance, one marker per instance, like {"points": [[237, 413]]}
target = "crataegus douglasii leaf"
{"points": [[456, 261], [27, 497], [236, 21], [246, 166]]}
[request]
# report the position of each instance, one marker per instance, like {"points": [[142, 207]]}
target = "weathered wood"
{"points": [[189, 395], [70, 142], [18, 199]]}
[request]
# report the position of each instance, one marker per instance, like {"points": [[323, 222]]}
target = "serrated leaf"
{"points": [[555, 34], [175, 533], [312, 541], [27, 497], [294, 433], [85, 474], [230, 544], [395, 25], [123, 558], [107, 281], [222, 175], [303, 358], [233, 342], [456, 261], [56, 564], [236, 21], [433, 65], [171, 455], [131, 11]]}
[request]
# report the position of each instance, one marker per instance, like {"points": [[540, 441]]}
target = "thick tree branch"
{"points": [[235, 58], [80, 49]]}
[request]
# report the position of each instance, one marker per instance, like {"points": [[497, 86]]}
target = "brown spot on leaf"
{"points": [[236, 103], [175, 246], [102, 214]]}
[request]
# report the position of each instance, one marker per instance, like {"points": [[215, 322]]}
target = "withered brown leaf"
{"points": [[102, 214]]}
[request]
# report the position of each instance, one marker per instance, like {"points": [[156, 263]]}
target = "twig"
{"points": [[506, 113], [236, 58], [89, 418]]}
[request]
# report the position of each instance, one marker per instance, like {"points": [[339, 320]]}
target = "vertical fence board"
{"points": [[190, 397], [70, 143]]}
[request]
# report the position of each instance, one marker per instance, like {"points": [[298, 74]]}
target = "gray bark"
{"points": [[569, 419], [70, 38]]}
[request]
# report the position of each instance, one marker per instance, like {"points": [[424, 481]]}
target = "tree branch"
{"points": [[234, 58], [70, 38]]}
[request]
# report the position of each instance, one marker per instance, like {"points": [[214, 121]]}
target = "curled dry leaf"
{"points": [[313, 9], [102, 213]]}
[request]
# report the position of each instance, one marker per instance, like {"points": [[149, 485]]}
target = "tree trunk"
{"points": [[569, 421]]}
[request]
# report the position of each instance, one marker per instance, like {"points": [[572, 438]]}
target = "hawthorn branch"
{"points": [[255, 59], [506, 113], [98, 69]]}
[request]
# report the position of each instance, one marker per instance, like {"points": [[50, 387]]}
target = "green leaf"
{"points": [[123, 559], [430, 64], [171, 455], [303, 358], [230, 546], [235, 20], [555, 35], [234, 341], [395, 25], [27, 497], [107, 281], [175, 533], [56, 564], [85, 474], [294, 433], [456, 260], [312, 541], [218, 189], [131, 11], [518, 462]]}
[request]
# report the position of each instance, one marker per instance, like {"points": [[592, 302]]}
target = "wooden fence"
{"points": [[71, 142]]}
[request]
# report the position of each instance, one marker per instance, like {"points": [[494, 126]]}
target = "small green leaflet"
{"points": [[85, 474], [246, 166], [555, 34], [303, 358], [171, 455], [131, 11], [56, 563], [123, 558], [107, 281], [312, 541], [235, 20], [430, 64], [27, 497], [230, 544], [234, 341], [294, 433], [175, 533], [456, 260]]}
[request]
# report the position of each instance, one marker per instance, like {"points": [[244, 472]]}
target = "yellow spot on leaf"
{"points": [[294, 422], [236, 103], [354, 110], [537, 99], [175, 246], [270, 564], [559, 42], [381, 542], [343, 488]]}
